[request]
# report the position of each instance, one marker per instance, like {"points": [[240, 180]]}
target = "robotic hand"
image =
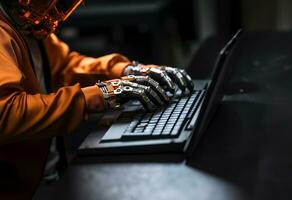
{"points": [[142, 88], [168, 77]]}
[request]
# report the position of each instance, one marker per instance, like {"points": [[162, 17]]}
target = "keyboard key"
{"points": [[166, 132], [156, 132], [175, 132]]}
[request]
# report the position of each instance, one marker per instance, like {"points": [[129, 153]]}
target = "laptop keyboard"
{"points": [[164, 123]]}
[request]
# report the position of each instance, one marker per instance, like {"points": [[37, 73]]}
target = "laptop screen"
{"points": [[214, 94]]}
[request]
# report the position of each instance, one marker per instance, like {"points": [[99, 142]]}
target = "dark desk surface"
{"points": [[246, 152]]}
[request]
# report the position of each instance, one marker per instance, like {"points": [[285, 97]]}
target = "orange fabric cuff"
{"points": [[94, 99], [119, 68]]}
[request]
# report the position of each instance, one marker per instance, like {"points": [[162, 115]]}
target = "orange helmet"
{"points": [[45, 15]]}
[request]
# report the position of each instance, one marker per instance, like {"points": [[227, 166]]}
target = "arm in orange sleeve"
{"points": [[26, 114], [66, 63]]}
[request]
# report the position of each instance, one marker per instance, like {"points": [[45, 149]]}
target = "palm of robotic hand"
{"points": [[142, 88], [168, 77]]}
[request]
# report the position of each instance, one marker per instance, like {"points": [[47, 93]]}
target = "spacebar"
{"points": [[143, 136]]}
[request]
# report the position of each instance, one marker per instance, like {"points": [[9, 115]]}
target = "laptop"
{"points": [[175, 128]]}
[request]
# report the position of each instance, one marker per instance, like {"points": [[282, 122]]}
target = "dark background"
{"points": [[166, 31]]}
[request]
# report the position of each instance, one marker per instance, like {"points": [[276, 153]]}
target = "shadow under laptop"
{"points": [[231, 146], [249, 145]]}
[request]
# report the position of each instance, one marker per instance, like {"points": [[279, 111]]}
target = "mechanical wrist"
{"points": [[110, 100]]}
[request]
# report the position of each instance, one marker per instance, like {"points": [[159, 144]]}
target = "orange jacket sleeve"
{"points": [[24, 112], [66, 63]]}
